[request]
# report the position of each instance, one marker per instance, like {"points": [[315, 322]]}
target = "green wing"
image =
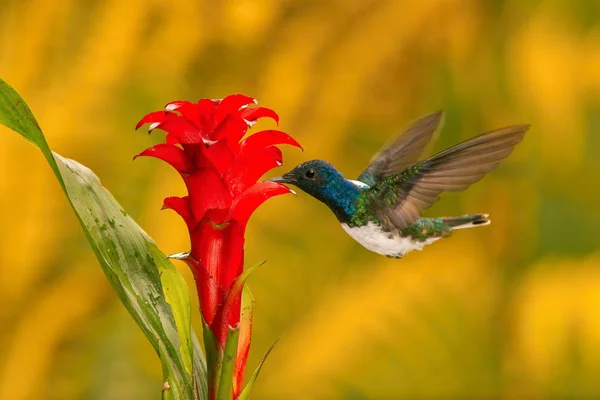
{"points": [[404, 150], [400, 199]]}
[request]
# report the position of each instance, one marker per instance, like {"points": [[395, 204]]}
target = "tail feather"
{"points": [[467, 221]]}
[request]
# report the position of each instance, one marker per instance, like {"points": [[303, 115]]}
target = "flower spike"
{"points": [[221, 174]]}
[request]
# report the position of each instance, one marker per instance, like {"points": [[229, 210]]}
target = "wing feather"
{"points": [[400, 199], [404, 150]]}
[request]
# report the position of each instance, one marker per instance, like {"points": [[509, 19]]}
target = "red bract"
{"points": [[204, 144]]}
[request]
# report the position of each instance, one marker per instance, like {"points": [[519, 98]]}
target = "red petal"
{"points": [[181, 205], [219, 155], [262, 139], [210, 294], [220, 250], [176, 105], [230, 105], [197, 153], [200, 115], [207, 191], [233, 127], [181, 128], [173, 155], [254, 113], [187, 109], [206, 113], [247, 170], [247, 202], [231, 247], [217, 216], [171, 139], [157, 116]]}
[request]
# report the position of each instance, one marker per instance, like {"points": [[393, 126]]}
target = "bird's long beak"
{"points": [[278, 179], [285, 178]]}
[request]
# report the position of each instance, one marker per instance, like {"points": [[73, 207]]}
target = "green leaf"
{"points": [[214, 358], [148, 284], [229, 355], [245, 395], [16, 115]]}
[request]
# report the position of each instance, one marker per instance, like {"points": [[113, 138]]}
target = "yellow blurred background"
{"points": [[509, 311]]}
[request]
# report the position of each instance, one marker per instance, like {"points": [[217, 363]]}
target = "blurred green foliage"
{"points": [[507, 311]]}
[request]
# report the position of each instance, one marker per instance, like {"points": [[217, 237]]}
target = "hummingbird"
{"points": [[382, 208]]}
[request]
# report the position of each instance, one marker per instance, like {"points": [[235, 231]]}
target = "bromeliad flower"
{"points": [[204, 144]]}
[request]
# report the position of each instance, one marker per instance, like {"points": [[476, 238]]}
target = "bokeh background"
{"points": [[509, 311]]}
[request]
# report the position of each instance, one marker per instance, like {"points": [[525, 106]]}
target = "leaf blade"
{"points": [[131, 261], [227, 367], [245, 395]]}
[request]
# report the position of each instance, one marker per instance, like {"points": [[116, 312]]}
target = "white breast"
{"points": [[373, 238]]}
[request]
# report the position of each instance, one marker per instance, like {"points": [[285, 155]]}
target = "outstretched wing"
{"points": [[403, 150], [400, 199]]}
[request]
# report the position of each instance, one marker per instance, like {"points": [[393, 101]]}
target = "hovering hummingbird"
{"points": [[382, 209]]}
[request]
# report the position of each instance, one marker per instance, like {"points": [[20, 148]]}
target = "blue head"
{"points": [[322, 181]]}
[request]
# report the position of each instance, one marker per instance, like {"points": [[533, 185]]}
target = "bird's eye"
{"points": [[310, 173]]}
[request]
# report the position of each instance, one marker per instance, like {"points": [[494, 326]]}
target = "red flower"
{"points": [[204, 144]]}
